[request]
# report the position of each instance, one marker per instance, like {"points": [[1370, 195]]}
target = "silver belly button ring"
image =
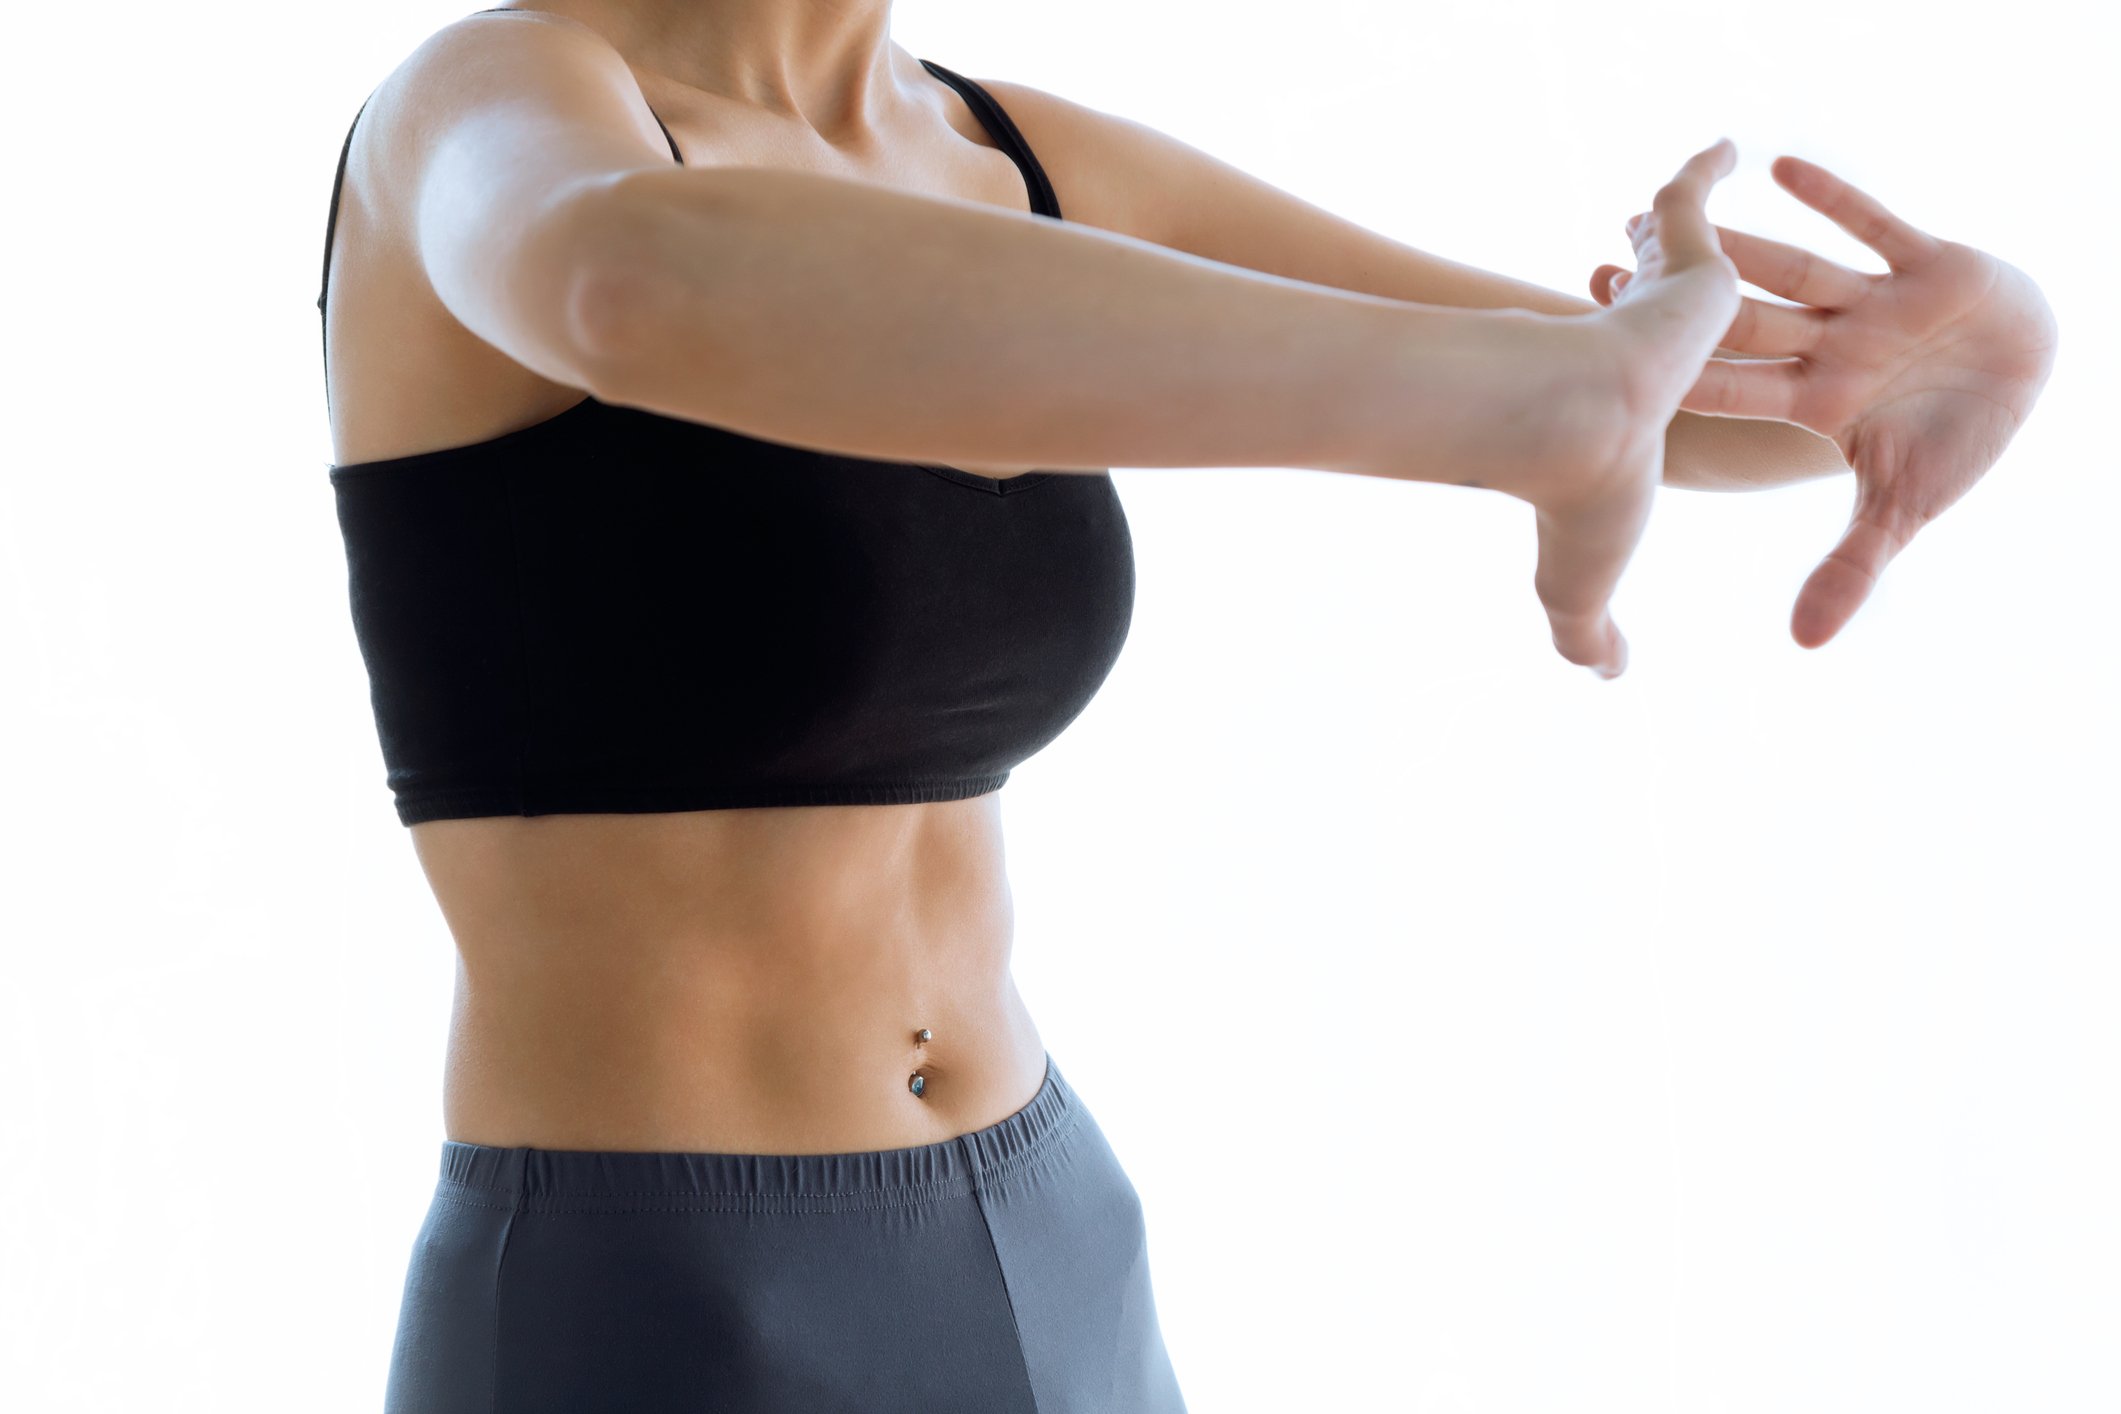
{"points": [[918, 1084]]}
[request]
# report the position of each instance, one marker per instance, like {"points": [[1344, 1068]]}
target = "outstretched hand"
{"points": [[1921, 375]]}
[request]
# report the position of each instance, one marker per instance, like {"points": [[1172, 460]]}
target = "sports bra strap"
{"points": [[996, 121], [675, 155], [331, 222]]}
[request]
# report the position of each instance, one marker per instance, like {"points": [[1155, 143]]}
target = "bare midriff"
{"points": [[731, 981]]}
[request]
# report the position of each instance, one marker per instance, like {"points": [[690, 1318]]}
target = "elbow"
{"points": [[623, 291]]}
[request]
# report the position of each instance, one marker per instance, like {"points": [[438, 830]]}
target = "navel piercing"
{"points": [[918, 1083]]}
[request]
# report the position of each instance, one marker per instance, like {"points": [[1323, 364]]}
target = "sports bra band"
{"points": [[615, 611]]}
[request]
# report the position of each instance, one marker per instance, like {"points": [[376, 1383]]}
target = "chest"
{"points": [[622, 603], [917, 149]]}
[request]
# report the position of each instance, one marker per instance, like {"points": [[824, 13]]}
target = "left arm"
{"points": [[1121, 176]]}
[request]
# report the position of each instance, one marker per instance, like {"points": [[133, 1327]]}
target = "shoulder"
{"points": [[1109, 172], [502, 69], [501, 48]]}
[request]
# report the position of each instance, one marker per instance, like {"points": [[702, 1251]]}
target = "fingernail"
{"points": [[1618, 663]]}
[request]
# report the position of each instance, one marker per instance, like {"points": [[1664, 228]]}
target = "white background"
{"points": [[1481, 1037]]}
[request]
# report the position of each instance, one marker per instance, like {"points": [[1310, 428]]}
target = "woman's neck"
{"points": [[825, 62]]}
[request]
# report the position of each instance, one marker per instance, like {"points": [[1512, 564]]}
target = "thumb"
{"points": [[1844, 579]]}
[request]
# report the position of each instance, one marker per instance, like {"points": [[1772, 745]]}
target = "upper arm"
{"points": [[473, 153], [1122, 176]]}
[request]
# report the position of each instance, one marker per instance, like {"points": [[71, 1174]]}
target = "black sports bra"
{"points": [[618, 612]]}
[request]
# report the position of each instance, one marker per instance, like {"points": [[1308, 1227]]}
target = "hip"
{"points": [[1004, 1270]]}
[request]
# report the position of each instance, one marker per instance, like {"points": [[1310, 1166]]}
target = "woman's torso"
{"points": [[732, 980]]}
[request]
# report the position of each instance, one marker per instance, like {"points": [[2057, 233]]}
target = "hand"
{"points": [[1642, 357], [1921, 375]]}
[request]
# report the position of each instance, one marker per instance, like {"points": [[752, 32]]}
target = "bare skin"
{"points": [[1921, 376], [514, 237], [732, 981]]}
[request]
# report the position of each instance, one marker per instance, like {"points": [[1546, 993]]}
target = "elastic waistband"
{"points": [[571, 1181]]}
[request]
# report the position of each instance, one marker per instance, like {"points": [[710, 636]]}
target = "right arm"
{"points": [[859, 319], [853, 318]]}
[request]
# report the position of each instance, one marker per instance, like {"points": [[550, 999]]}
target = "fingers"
{"points": [[1582, 554], [1861, 215], [1844, 579], [1675, 234], [1594, 642], [1792, 272], [1682, 228], [1770, 388], [1760, 328], [1774, 330]]}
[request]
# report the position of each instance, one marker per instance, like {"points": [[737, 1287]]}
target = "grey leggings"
{"points": [[1003, 1272]]}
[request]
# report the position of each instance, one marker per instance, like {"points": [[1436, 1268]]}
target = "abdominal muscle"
{"points": [[731, 981]]}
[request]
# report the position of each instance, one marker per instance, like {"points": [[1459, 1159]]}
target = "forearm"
{"points": [[857, 319], [1226, 215], [1701, 453]]}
